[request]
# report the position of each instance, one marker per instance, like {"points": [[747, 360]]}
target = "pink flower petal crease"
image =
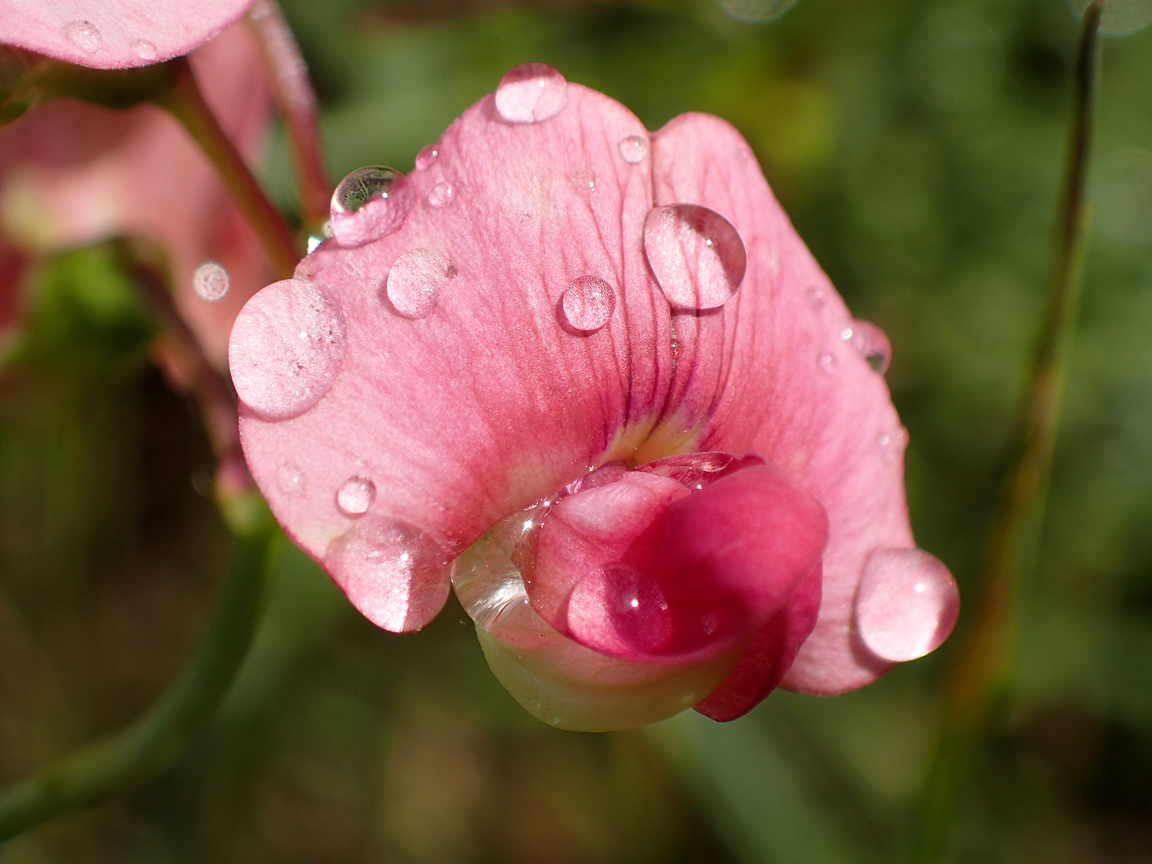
{"points": [[670, 502]]}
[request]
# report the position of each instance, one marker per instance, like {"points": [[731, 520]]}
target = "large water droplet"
{"points": [[394, 573], [286, 348], [441, 195], [84, 35], [531, 92], [906, 604], [210, 281], [633, 149], [356, 496], [619, 610], [416, 280], [368, 204], [695, 254], [587, 304], [145, 50], [870, 342]]}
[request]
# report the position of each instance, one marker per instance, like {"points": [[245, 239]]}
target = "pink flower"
{"points": [[114, 34], [73, 173], [593, 376]]}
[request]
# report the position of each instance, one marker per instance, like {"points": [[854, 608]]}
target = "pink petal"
{"points": [[115, 34]]}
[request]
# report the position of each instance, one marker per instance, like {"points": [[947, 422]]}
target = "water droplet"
{"points": [[84, 35], [587, 304], [815, 297], [145, 50], [892, 444], [210, 281], [870, 342], [426, 157], [906, 604], [356, 496], [290, 479], [394, 573], [368, 204], [696, 255], [441, 195], [828, 362], [633, 149], [619, 610], [416, 280], [286, 348], [531, 92]]}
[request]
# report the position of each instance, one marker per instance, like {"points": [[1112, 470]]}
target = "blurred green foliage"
{"points": [[918, 146]]}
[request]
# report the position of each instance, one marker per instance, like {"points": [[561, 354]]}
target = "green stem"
{"points": [[984, 659], [146, 747], [186, 103]]}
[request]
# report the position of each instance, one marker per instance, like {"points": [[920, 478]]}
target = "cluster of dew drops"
{"points": [[87, 37]]}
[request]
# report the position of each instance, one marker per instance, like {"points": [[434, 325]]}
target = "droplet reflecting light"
{"points": [[530, 93], [696, 255], [906, 604], [356, 496], [416, 280], [84, 35], [633, 149], [587, 304], [368, 204]]}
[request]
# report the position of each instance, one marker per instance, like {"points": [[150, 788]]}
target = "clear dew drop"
{"points": [[145, 50], [441, 195], [368, 204], [356, 496], [906, 604], [892, 444], [619, 610], [530, 93], [84, 35], [426, 157], [415, 281], [816, 297], [633, 149], [290, 480], [696, 255], [827, 361], [870, 342], [286, 348], [587, 304], [394, 573], [210, 281]]}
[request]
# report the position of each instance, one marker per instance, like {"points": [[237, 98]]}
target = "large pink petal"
{"points": [[115, 34], [462, 412], [771, 373]]}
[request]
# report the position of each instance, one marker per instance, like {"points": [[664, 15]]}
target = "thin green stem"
{"points": [[146, 747], [186, 103], [983, 661]]}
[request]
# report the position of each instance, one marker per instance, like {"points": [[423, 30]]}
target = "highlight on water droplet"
{"points": [[695, 254], [587, 304], [827, 361], [368, 204], [145, 50], [84, 35], [619, 611], [394, 573], [633, 149], [415, 281], [356, 496], [906, 604], [290, 480], [892, 444], [441, 195], [870, 342], [210, 281], [816, 297], [426, 156], [530, 93], [286, 348]]}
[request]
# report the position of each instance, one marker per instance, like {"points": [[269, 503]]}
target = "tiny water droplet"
{"points": [[394, 573], [587, 304], [210, 281], [870, 342], [530, 93], [633, 149], [906, 604], [815, 297], [828, 362], [426, 157], [892, 444], [368, 204], [286, 348], [356, 496], [415, 281], [696, 255], [290, 479], [84, 35], [441, 195], [145, 50]]}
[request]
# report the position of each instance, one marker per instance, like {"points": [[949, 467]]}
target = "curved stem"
{"points": [[146, 747], [186, 103], [984, 659]]}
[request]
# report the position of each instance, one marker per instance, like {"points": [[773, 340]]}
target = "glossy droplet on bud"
{"points": [[286, 348], [394, 573], [906, 604], [695, 254], [441, 195], [530, 93], [145, 50], [84, 35], [587, 304], [633, 149], [619, 611], [827, 361], [368, 204], [356, 496], [870, 342], [426, 157], [415, 281], [210, 281]]}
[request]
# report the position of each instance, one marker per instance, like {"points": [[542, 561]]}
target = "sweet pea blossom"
{"points": [[590, 376]]}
